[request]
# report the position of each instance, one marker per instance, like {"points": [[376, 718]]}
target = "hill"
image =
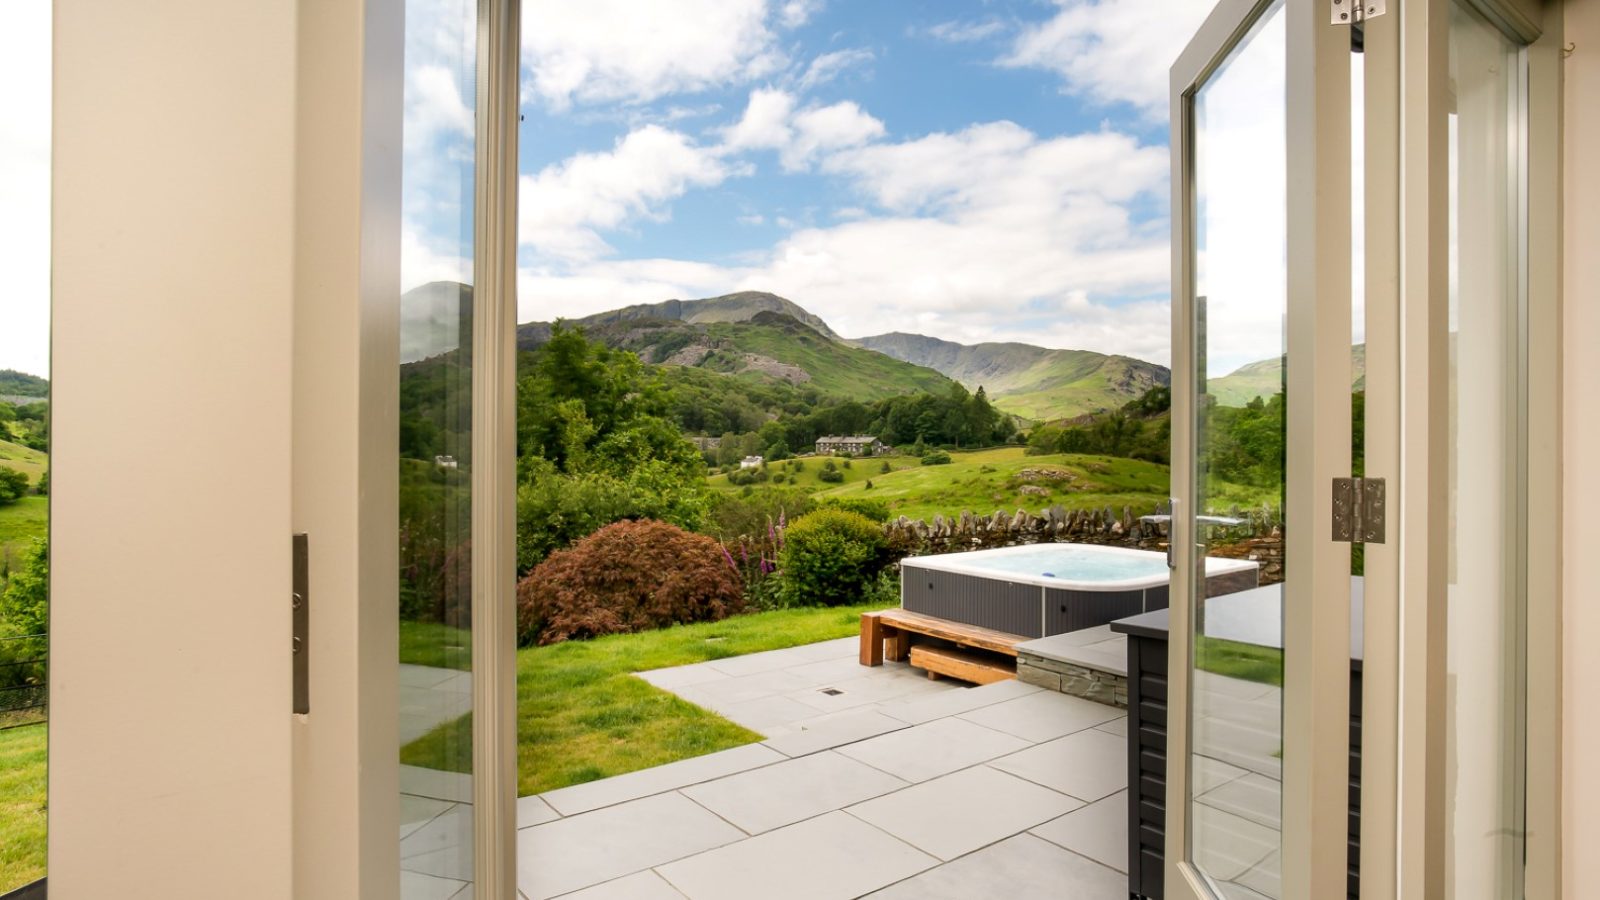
{"points": [[1029, 381], [770, 346], [740, 307], [20, 387], [1265, 378]]}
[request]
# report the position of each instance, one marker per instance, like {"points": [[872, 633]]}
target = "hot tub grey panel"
{"points": [[986, 602], [1069, 610]]}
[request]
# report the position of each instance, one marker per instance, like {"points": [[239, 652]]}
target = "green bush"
{"points": [[627, 577], [831, 476], [555, 509], [830, 557], [13, 485], [876, 510], [936, 458]]}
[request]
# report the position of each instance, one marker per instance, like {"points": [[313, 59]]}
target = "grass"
{"points": [[992, 480], [432, 644], [582, 716], [1247, 662], [22, 806], [20, 524], [26, 460], [803, 472]]}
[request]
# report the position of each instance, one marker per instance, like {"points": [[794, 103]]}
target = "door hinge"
{"points": [[1359, 510], [1349, 12], [300, 615]]}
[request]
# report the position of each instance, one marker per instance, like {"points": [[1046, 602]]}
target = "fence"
{"points": [[24, 682]]}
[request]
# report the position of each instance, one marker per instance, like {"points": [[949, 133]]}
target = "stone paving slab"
{"points": [[919, 709], [1087, 764], [827, 732], [956, 814], [581, 798], [639, 886], [1018, 868], [790, 791], [936, 748], [1098, 831], [831, 857], [577, 852], [1043, 716], [417, 886]]}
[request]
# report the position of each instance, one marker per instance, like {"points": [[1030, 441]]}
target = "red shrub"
{"points": [[628, 576]]}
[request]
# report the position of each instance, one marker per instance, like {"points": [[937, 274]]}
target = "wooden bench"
{"points": [[886, 634]]}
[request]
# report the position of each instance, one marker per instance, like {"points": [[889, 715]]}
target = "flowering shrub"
{"points": [[830, 557], [628, 576], [755, 558]]}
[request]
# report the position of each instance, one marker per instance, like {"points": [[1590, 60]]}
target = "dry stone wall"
{"points": [[1259, 537]]}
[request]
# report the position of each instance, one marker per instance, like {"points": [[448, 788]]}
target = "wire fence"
{"points": [[24, 680]]}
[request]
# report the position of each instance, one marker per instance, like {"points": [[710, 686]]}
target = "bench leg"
{"points": [[871, 640], [899, 644]]}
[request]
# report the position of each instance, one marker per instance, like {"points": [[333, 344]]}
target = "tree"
{"points": [[13, 485], [25, 602]]}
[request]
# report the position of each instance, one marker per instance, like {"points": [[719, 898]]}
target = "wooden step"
{"points": [[964, 665]]}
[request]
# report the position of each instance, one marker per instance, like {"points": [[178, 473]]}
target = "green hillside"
{"points": [[770, 347], [1265, 378], [21, 384], [1033, 382], [28, 461]]}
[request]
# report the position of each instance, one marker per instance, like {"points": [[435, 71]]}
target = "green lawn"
{"points": [[1247, 662], [20, 524], [431, 644], [582, 716], [22, 806]]}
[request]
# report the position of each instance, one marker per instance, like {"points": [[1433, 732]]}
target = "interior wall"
{"points": [[1581, 424], [173, 210]]}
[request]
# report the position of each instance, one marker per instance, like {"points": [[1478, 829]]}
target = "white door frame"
{"points": [[1316, 599]]}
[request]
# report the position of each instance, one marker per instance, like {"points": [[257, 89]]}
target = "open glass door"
{"points": [[1258, 753]]}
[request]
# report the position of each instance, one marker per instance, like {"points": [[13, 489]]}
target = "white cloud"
{"points": [[564, 207], [991, 233], [794, 13], [604, 51], [829, 66], [25, 187], [771, 122], [956, 32], [1112, 51]]}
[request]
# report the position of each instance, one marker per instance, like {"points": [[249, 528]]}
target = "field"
{"points": [[29, 462], [1003, 479], [581, 715], [20, 524], [22, 806]]}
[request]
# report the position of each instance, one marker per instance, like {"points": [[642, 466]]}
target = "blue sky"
{"points": [[971, 170]]}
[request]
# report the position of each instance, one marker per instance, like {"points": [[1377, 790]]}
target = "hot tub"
{"points": [[1044, 589]]}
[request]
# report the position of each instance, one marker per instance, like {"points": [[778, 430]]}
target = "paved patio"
{"points": [[872, 783]]}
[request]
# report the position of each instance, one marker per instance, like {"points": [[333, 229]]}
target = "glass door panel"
{"points": [[436, 459], [1240, 369], [1485, 670]]}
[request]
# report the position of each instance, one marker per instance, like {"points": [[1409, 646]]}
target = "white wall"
{"points": [[1581, 421], [172, 316]]}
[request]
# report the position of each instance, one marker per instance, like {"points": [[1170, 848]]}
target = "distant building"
{"points": [[751, 462], [705, 443], [445, 462], [856, 445]]}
